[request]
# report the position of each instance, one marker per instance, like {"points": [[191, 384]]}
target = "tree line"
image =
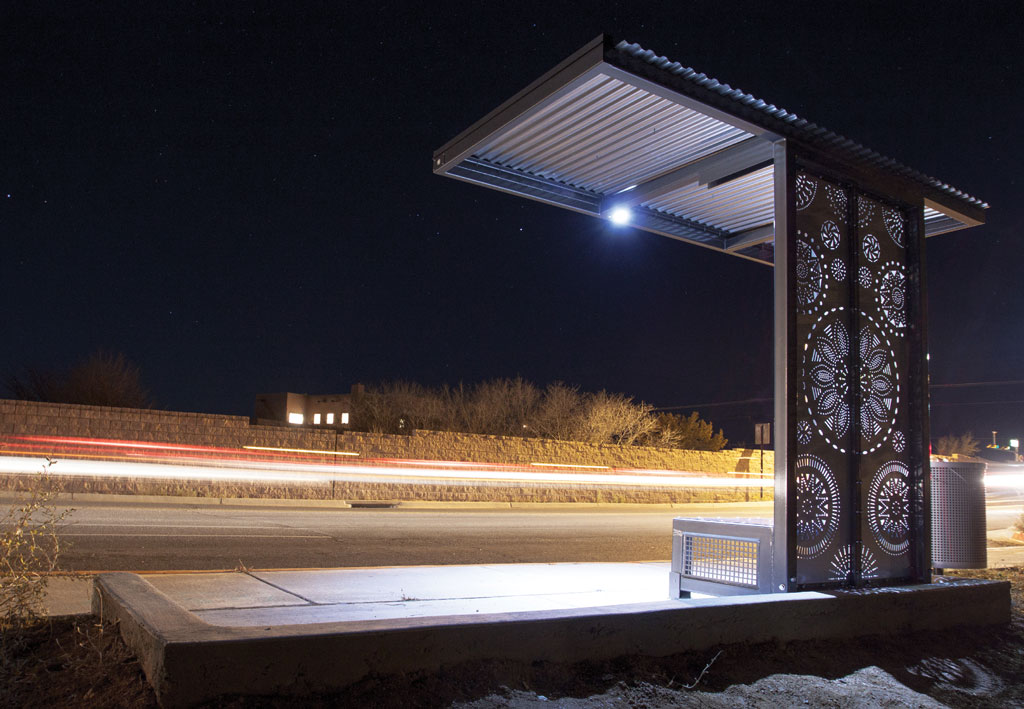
{"points": [[516, 407], [500, 407]]}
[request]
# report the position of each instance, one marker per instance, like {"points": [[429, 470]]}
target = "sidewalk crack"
{"points": [[281, 588]]}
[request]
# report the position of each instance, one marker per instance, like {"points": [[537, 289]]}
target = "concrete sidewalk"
{"points": [[296, 633], [341, 595]]}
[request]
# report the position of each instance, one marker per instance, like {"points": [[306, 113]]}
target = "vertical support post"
{"points": [[784, 541], [917, 320]]}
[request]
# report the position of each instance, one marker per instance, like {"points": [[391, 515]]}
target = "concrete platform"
{"points": [[302, 632]]}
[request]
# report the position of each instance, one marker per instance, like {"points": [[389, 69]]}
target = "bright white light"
{"points": [[1014, 443], [621, 216], [378, 470], [295, 417], [330, 419], [316, 418], [344, 418]]}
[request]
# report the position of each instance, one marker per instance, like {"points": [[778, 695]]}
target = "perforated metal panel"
{"points": [[857, 492], [958, 516], [720, 557]]}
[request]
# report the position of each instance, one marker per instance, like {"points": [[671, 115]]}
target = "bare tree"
{"points": [[558, 414], [105, 379]]}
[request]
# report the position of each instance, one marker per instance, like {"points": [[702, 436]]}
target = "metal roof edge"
{"points": [[635, 59], [574, 65]]}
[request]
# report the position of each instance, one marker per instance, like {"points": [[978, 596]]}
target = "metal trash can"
{"points": [[958, 515]]}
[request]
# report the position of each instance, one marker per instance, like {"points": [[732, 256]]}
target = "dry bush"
{"points": [[29, 549], [614, 418], [966, 445], [515, 407], [686, 432]]}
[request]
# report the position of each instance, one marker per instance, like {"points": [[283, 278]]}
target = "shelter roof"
{"points": [[615, 125]]}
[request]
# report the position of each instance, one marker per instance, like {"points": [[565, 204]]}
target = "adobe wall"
{"points": [[41, 419]]}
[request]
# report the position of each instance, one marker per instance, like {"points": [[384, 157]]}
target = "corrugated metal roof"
{"points": [[607, 136], [781, 120], [615, 124]]}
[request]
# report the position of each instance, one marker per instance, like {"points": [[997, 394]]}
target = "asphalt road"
{"points": [[146, 538]]}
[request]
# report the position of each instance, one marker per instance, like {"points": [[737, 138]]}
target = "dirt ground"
{"points": [[77, 662]]}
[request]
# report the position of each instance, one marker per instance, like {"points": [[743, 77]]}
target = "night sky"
{"points": [[241, 201]]}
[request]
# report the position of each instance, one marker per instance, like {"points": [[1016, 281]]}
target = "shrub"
{"points": [[686, 432], [29, 549], [965, 444]]}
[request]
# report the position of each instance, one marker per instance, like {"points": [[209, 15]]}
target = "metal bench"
{"points": [[720, 557]]}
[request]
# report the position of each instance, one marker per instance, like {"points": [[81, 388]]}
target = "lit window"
{"points": [[316, 418], [344, 418], [295, 417], [330, 418]]}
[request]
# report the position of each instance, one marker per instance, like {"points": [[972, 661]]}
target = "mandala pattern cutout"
{"points": [[827, 387], [804, 431], [826, 377], [895, 224], [839, 269], [889, 508], [830, 235], [872, 250], [892, 296], [836, 197], [865, 211], [878, 385], [809, 277], [899, 441], [806, 189], [864, 277], [817, 506], [840, 568]]}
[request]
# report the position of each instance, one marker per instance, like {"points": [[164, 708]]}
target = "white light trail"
{"points": [[290, 472]]}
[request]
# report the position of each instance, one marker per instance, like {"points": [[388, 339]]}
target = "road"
{"points": [[143, 538], [104, 536]]}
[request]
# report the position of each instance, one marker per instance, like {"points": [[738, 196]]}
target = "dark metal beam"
{"points": [[751, 237], [707, 170]]}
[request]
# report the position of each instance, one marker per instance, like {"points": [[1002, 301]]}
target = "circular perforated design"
{"points": [[871, 248], [830, 235], [895, 224], [840, 567], [889, 507], [809, 277], [836, 198], [827, 387], [806, 188], [891, 297], [817, 503]]}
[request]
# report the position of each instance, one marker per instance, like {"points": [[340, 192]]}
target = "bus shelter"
{"points": [[617, 132]]}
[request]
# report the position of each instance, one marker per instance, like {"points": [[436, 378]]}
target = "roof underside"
{"points": [[614, 125]]}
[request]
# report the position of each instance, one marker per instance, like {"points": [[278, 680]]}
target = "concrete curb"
{"points": [[189, 661]]}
